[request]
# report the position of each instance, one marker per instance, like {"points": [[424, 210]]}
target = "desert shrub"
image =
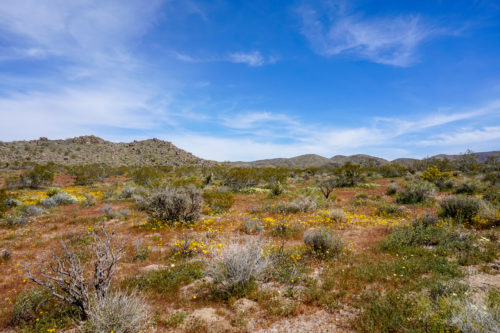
{"points": [[277, 189], [326, 187], [415, 193], [147, 176], [61, 198], [335, 215], [433, 175], [284, 229], [425, 220], [31, 210], [166, 281], [492, 196], [252, 225], [469, 317], [302, 204], [36, 310], [89, 200], [400, 312], [141, 252], [111, 213], [324, 242], [414, 235], [51, 191], [40, 175], [66, 276], [348, 175], [460, 208], [468, 187], [175, 205], [392, 189], [287, 266], [237, 267], [392, 170], [218, 201], [4, 255], [117, 312], [90, 173], [390, 210], [4, 206]]}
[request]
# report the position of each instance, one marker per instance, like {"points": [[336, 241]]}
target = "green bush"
{"points": [[3, 202], [219, 202], [37, 310], [413, 193], [468, 187], [40, 175], [390, 210], [277, 189], [147, 176], [89, 174], [349, 175], [166, 281], [392, 189], [323, 242], [461, 209]]}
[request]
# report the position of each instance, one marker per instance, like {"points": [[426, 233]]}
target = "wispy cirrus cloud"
{"points": [[335, 30], [252, 58]]}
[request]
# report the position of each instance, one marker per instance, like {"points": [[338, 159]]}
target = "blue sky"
{"points": [[245, 80]]}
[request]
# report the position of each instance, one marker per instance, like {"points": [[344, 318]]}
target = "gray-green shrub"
{"points": [[175, 205]]}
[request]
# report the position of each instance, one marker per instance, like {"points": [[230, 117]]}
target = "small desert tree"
{"points": [[66, 276], [328, 186]]}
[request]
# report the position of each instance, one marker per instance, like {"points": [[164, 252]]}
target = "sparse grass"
{"points": [[394, 268], [166, 281]]}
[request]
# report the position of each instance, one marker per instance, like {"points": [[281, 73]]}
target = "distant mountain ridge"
{"points": [[313, 160], [92, 149]]}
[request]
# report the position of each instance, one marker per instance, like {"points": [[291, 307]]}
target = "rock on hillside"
{"points": [[92, 149]]}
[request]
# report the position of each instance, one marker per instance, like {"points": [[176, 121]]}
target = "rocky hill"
{"points": [[480, 157], [92, 149], [302, 161]]}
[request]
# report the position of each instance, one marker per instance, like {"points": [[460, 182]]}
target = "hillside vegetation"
{"points": [[218, 248], [92, 149]]}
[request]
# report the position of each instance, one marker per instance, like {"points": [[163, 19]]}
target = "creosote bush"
{"points": [[413, 193], [461, 208], [175, 205], [237, 267], [218, 201], [40, 175], [324, 242]]}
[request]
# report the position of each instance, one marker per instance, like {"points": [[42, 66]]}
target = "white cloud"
{"points": [[385, 40], [465, 137], [251, 120], [254, 59], [79, 28]]}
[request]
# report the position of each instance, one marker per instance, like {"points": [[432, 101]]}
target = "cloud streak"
{"points": [[384, 40]]}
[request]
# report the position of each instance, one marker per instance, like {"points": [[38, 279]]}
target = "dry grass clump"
{"points": [[235, 269], [469, 317], [117, 312]]}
